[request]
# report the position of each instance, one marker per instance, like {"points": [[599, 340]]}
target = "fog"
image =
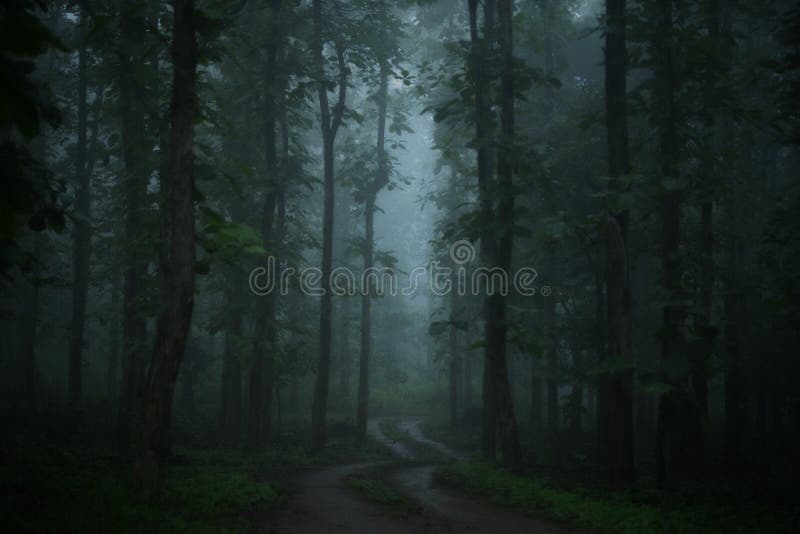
{"points": [[360, 265]]}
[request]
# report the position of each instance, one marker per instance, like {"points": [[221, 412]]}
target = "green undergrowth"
{"points": [[370, 485], [423, 452], [611, 512], [82, 489]]}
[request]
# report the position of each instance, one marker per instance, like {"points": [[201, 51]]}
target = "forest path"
{"points": [[323, 504]]}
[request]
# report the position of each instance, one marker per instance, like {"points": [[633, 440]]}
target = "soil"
{"points": [[324, 504]]}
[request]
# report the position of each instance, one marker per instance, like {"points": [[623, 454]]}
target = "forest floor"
{"points": [[403, 497], [411, 477]]}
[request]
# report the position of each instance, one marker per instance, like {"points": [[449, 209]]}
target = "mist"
{"points": [[429, 265]]}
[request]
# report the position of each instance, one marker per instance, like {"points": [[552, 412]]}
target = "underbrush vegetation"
{"points": [[80, 489], [371, 486], [616, 512]]}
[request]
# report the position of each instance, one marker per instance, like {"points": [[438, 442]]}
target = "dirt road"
{"points": [[323, 504]]}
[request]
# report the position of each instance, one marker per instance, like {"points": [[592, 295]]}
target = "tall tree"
{"points": [[370, 194], [112, 382], [30, 324], [134, 185], [670, 214], [615, 424], [454, 360], [509, 437], [81, 234], [479, 46], [496, 221], [551, 359], [705, 328], [262, 370], [174, 320], [330, 120], [230, 412]]}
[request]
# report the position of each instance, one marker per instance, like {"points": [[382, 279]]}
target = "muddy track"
{"points": [[323, 503]]}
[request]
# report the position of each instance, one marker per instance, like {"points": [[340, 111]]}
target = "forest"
{"points": [[373, 266]]}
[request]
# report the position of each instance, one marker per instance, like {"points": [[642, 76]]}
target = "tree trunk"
{"points": [[345, 363], [732, 376], [478, 47], [318, 416], [536, 395], [329, 124], [552, 368], [344, 359], [81, 236], [231, 399], [616, 385], [455, 358], [576, 398], [262, 370], [601, 419], [618, 445], [700, 365], [454, 371], [278, 407], [467, 402], [294, 393], [670, 231], [381, 179], [188, 378], [29, 328], [112, 384], [174, 320], [366, 328], [134, 327], [504, 403]]}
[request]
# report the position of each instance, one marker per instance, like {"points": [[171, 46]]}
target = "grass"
{"points": [[371, 486], [612, 512], [70, 483]]}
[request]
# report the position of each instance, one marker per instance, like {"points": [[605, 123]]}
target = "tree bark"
{"points": [[552, 367], [536, 395], [670, 230], [366, 328], [81, 236], [188, 379], [700, 365], [478, 47], [618, 445], [733, 387], [381, 179], [467, 410], [732, 378], [174, 320], [329, 124], [455, 358], [112, 382], [345, 359], [616, 384], [576, 397], [29, 329], [504, 403], [341, 335], [231, 398], [261, 375], [134, 327]]}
